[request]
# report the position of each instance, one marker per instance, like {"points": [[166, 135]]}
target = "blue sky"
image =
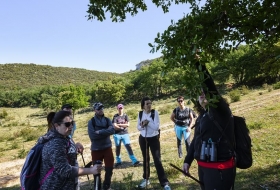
{"points": [[57, 33]]}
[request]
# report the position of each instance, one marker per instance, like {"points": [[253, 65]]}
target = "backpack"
{"points": [[242, 142], [152, 116], [30, 172]]}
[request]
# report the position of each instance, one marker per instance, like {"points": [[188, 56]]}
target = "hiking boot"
{"points": [[118, 164], [137, 164], [180, 155], [166, 187], [142, 185]]}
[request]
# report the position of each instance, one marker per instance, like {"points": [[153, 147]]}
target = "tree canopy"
{"points": [[216, 27]]}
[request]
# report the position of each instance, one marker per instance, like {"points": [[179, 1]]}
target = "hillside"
{"points": [[259, 107], [17, 76]]}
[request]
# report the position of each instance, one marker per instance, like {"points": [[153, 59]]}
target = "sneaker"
{"points": [[136, 164], [118, 164], [143, 183], [166, 187]]}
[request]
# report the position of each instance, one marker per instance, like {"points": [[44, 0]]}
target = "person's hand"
{"points": [[144, 123], [188, 129], [96, 169], [186, 168], [80, 147], [96, 132]]}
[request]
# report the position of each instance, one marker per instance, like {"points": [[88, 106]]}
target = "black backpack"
{"points": [[242, 143], [152, 116]]}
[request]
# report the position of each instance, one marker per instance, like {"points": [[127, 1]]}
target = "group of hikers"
{"points": [[216, 164]]}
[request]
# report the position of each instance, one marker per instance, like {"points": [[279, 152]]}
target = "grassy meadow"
{"points": [[261, 108]]}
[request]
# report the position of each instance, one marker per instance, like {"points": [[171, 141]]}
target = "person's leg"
{"points": [[178, 133], [155, 150], [117, 140], [126, 142], [109, 162], [187, 138], [217, 179], [97, 155], [146, 158]]}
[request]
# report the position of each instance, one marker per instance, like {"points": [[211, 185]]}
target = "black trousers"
{"points": [[216, 179], [153, 144]]}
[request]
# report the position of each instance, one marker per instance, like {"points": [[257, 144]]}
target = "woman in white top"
{"points": [[148, 125]]}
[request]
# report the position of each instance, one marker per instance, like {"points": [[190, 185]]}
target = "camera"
{"points": [[208, 152]]}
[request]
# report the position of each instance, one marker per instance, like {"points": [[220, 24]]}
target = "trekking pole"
{"points": [[97, 176], [186, 174], [146, 158], [85, 167]]}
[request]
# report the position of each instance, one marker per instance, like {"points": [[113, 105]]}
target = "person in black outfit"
{"points": [[217, 170]]}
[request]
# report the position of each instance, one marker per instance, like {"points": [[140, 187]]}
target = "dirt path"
{"points": [[10, 171]]}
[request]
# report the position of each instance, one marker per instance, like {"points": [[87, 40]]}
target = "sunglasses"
{"points": [[120, 108], [68, 124], [180, 101]]}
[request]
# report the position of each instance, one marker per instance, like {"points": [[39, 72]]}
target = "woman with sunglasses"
{"points": [[183, 118], [148, 125], [58, 170]]}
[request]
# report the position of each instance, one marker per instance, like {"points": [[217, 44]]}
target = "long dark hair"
{"points": [[50, 117], [143, 101], [59, 116]]}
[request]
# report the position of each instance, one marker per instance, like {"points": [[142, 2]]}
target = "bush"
{"points": [[276, 85], [132, 114], [244, 90], [4, 114], [165, 110], [234, 95]]}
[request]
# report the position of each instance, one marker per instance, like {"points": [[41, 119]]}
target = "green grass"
{"points": [[262, 113]]}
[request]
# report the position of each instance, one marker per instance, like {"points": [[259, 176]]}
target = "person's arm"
{"points": [[92, 133], [139, 126], [109, 131], [96, 169], [172, 117]]}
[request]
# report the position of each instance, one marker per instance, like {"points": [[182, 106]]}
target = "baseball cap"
{"points": [[98, 106], [67, 106], [120, 106]]}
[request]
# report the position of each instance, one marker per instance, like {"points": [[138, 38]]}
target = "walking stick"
{"points": [[97, 176], [146, 158], [85, 167], [187, 174]]}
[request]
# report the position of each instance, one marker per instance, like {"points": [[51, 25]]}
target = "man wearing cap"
{"points": [[99, 130], [121, 124]]}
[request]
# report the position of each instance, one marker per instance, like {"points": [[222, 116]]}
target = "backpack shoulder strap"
{"points": [[153, 114], [107, 121], [140, 115], [93, 122]]}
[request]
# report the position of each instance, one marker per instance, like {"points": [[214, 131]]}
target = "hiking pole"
{"points": [[85, 167], [146, 158], [187, 174], [97, 176]]}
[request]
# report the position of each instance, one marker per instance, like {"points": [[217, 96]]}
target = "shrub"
{"points": [[4, 114], [165, 110], [22, 153], [14, 145], [234, 95], [276, 85], [132, 114], [244, 90], [270, 88]]}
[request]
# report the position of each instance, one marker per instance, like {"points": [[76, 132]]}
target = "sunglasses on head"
{"points": [[180, 101], [68, 124]]}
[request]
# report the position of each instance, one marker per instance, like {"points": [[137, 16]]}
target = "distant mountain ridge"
{"points": [[18, 76]]}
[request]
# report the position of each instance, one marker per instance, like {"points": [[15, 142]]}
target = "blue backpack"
{"points": [[30, 172]]}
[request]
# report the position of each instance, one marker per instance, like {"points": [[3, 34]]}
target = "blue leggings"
{"points": [[180, 131]]}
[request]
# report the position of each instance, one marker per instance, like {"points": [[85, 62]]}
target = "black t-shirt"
{"points": [[121, 120], [182, 116]]}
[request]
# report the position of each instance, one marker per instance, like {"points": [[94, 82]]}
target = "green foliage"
{"points": [[276, 85], [4, 114], [24, 76], [234, 95], [22, 153], [132, 114], [28, 133], [244, 90]]}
